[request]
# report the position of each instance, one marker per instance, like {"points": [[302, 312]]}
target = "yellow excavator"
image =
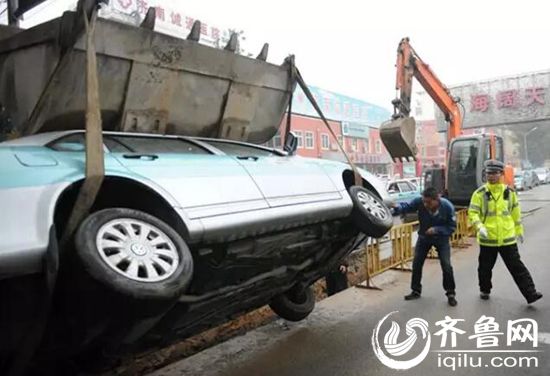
{"points": [[465, 154]]}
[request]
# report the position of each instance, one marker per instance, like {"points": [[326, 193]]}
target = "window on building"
{"points": [[378, 147], [353, 144], [366, 145], [309, 140], [325, 141], [300, 138]]}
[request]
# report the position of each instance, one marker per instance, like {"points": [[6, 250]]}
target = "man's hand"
{"points": [[520, 239], [483, 232], [430, 231], [343, 269]]}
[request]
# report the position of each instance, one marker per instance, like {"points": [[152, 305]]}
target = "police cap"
{"points": [[492, 165]]}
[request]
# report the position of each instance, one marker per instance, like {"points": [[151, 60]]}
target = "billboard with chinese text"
{"points": [[504, 101], [356, 130], [339, 107], [169, 19]]}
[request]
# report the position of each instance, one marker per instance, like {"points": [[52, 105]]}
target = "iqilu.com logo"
{"points": [[404, 353]]}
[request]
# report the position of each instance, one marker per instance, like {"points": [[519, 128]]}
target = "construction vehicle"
{"points": [[149, 82], [465, 154]]}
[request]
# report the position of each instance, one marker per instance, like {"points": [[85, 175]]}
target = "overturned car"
{"points": [[187, 231]]}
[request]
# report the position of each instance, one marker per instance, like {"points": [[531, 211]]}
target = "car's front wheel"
{"points": [[294, 305], [370, 215], [134, 254]]}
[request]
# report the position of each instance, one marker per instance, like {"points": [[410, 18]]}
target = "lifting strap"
{"points": [[356, 175], [95, 164]]}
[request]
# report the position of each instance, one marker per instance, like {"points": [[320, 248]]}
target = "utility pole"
{"points": [[525, 144]]}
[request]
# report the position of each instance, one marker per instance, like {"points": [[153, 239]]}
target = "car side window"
{"points": [[236, 149], [155, 145], [404, 187], [74, 142], [393, 187]]}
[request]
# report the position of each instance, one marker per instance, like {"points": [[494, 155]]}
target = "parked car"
{"points": [[184, 234], [402, 190], [535, 178], [542, 174], [523, 180], [418, 182]]}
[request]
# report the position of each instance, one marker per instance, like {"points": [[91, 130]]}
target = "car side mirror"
{"points": [[291, 144]]}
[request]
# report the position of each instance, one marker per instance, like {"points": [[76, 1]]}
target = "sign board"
{"points": [[169, 20], [505, 101], [339, 107], [355, 130]]}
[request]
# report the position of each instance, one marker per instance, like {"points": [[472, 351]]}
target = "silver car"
{"points": [[184, 234]]}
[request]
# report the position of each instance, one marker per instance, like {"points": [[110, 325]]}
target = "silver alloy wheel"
{"points": [[137, 250], [372, 206]]}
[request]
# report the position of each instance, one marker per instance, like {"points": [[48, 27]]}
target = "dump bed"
{"points": [[148, 82]]}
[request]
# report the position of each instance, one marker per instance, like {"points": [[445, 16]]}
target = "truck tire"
{"points": [[370, 215], [293, 306], [134, 254]]}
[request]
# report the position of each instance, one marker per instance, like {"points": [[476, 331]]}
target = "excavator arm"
{"points": [[398, 135]]}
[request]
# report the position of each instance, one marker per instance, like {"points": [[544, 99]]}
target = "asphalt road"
{"points": [[336, 338]]}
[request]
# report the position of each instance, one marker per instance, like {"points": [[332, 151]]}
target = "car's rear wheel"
{"points": [[294, 305], [134, 254], [370, 215]]}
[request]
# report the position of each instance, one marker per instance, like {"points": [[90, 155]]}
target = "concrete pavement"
{"points": [[336, 338]]}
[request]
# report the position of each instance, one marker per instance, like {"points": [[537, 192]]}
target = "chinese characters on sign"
{"points": [[168, 17], [508, 99], [487, 332]]}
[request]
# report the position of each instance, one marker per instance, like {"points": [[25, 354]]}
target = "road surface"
{"points": [[336, 338]]}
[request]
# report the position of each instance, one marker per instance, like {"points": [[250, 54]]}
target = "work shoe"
{"points": [[533, 298], [452, 300], [413, 295], [484, 295]]}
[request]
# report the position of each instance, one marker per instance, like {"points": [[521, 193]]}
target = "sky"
{"points": [[349, 46]]}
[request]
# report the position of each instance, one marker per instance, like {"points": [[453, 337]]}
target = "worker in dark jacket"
{"points": [[437, 223]]}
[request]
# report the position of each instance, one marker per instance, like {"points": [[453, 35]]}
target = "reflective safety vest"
{"points": [[496, 207]]}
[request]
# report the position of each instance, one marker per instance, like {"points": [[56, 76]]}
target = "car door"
{"points": [[283, 180], [201, 182]]}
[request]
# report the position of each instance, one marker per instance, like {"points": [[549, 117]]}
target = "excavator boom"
{"points": [[399, 134]]}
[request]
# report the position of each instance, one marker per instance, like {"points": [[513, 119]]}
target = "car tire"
{"points": [[153, 279], [370, 215], [293, 305]]}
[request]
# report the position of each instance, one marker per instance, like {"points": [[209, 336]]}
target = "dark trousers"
{"points": [[443, 247], [512, 260]]}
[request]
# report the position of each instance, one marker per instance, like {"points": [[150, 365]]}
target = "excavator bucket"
{"points": [[398, 137]]}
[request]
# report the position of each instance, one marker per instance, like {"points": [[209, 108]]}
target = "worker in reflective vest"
{"points": [[495, 213]]}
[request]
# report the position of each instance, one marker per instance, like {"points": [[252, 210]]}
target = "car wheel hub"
{"points": [[372, 206], [137, 250]]}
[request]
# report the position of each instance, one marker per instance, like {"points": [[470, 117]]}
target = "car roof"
{"points": [[45, 138]]}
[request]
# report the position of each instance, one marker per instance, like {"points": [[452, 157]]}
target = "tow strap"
{"points": [[358, 180]]}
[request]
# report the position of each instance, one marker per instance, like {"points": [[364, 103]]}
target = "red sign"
{"points": [[480, 102], [534, 95]]}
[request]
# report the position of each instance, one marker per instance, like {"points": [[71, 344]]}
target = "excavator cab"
{"points": [[465, 171]]}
